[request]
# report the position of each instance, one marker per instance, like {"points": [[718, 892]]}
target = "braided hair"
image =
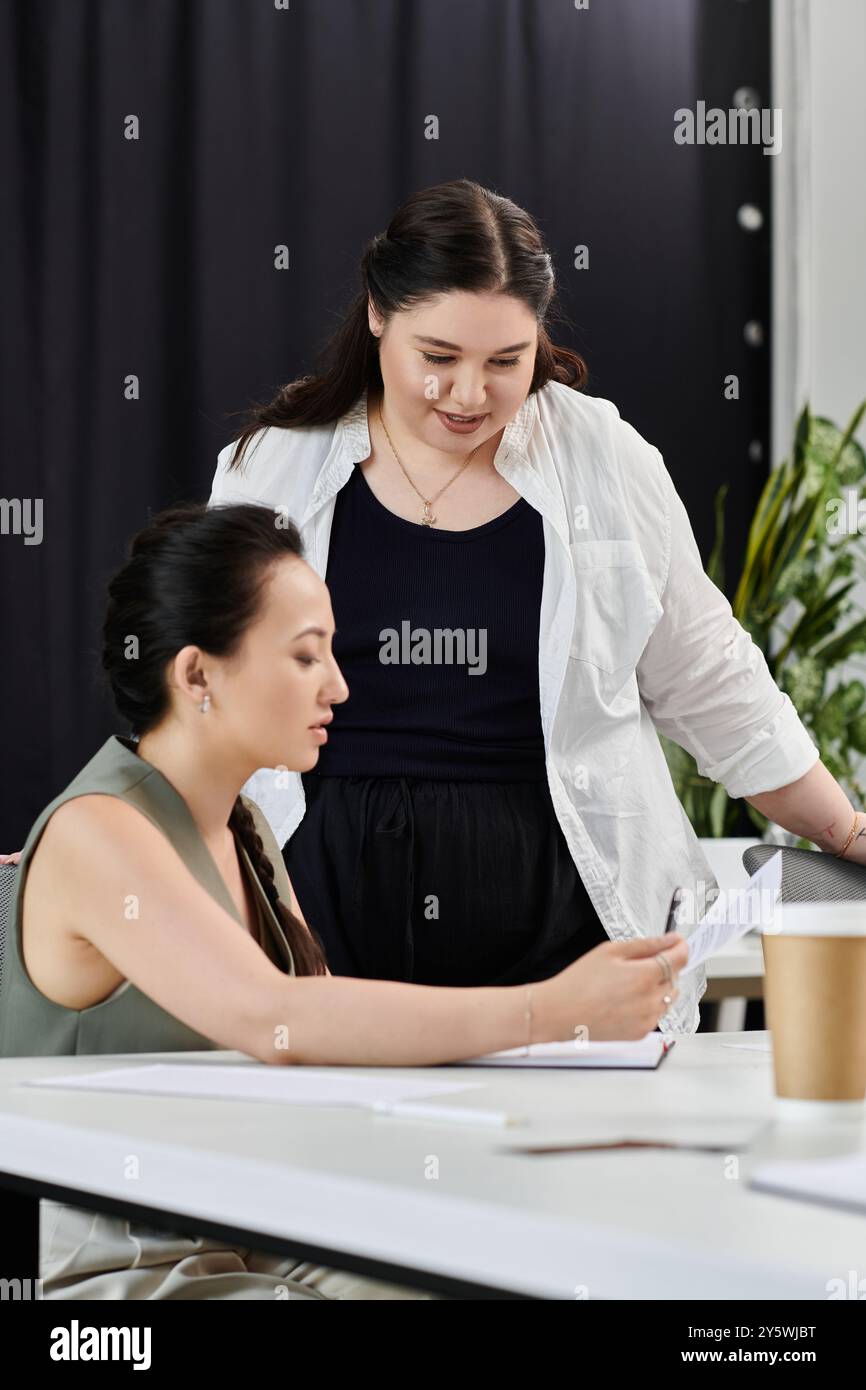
{"points": [[307, 950]]}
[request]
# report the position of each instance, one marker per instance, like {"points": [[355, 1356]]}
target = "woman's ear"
{"points": [[373, 319]]}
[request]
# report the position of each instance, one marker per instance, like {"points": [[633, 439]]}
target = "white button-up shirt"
{"points": [[634, 637]]}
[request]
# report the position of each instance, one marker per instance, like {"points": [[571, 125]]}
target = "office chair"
{"points": [[810, 876], [7, 889]]}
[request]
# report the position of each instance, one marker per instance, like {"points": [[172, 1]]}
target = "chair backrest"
{"points": [[809, 876], [7, 887]]}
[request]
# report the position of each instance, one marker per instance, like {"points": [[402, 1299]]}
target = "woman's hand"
{"points": [[10, 858], [614, 991]]}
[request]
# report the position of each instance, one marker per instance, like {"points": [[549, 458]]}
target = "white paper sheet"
{"points": [[839, 1181], [644, 1052], [256, 1081], [735, 912]]}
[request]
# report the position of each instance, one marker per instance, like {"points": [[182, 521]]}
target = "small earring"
{"points": [[205, 704]]}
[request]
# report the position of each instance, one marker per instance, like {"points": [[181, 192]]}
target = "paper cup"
{"points": [[815, 1002]]}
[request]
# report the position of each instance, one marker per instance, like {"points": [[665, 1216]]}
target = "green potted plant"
{"points": [[794, 599]]}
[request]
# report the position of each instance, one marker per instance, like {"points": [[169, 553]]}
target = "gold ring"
{"points": [[666, 969]]}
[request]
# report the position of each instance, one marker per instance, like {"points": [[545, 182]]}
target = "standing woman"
{"points": [[520, 605]]}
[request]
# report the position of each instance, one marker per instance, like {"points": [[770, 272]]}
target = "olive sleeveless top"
{"points": [[127, 1020]]}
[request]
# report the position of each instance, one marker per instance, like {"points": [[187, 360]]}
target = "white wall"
{"points": [[819, 232], [819, 190]]}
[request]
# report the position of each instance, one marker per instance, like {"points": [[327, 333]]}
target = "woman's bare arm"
{"points": [[129, 893]]}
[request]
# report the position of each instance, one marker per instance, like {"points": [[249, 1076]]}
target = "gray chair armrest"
{"points": [[810, 876]]}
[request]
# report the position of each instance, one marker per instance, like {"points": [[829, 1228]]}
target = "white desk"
{"points": [[345, 1188]]}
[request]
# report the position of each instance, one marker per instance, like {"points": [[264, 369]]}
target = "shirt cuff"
{"points": [[778, 754]]}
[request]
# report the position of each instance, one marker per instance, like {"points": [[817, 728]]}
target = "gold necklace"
{"points": [[427, 517]]}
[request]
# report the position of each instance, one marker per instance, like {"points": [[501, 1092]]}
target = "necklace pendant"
{"points": [[428, 519]]}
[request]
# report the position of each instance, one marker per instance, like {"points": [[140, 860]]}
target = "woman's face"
{"points": [[284, 679], [466, 354]]}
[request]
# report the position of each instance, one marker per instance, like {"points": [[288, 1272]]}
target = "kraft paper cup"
{"points": [[815, 1002]]}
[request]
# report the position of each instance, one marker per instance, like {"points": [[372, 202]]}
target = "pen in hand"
{"points": [[676, 897]]}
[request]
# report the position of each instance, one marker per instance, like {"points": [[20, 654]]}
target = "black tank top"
{"points": [[437, 636]]}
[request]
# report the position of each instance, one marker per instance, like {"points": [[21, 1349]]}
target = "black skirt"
{"points": [[439, 882]]}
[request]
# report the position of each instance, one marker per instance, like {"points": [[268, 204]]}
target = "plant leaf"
{"points": [[716, 562], [717, 808]]}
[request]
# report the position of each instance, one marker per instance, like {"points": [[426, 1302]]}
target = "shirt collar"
{"points": [[353, 433], [351, 444]]}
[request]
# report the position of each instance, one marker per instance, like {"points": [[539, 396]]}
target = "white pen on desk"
{"points": [[409, 1110]]}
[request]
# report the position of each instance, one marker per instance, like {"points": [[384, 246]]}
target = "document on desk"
{"points": [[644, 1052], [736, 911], [840, 1182], [256, 1081]]}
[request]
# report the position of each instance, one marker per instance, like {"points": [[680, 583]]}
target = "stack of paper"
{"points": [[735, 912], [251, 1081]]}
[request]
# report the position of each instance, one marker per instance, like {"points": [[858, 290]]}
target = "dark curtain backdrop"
{"points": [[305, 126]]}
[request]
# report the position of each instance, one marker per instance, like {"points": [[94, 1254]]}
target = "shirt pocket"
{"points": [[616, 605]]}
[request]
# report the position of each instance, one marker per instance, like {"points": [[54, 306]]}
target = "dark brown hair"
{"points": [[195, 576], [452, 236]]}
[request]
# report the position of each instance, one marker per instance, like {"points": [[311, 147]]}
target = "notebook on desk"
{"points": [[644, 1053]]}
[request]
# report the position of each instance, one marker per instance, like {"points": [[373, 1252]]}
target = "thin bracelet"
{"points": [[527, 1014], [850, 837]]}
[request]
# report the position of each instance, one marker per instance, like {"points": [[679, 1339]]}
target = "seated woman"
{"points": [[153, 911]]}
